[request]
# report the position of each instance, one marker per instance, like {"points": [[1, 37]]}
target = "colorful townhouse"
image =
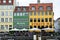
{"points": [[41, 16], [6, 14], [21, 17]]}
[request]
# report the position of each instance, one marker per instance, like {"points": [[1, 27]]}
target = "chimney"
{"points": [[38, 1]]}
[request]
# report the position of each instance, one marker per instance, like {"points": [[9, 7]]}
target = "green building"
{"points": [[21, 17]]}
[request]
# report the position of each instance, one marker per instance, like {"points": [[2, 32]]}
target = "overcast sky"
{"points": [[56, 5]]}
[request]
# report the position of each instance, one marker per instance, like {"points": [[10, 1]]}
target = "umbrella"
{"points": [[49, 29], [35, 29], [24, 29], [14, 29]]}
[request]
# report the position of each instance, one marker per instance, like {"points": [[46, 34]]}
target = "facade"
{"points": [[57, 25], [6, 14], [41, 16], [21, 17]]}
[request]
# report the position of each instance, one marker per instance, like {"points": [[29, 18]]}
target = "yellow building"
{"points": [[41, 16], [6, 15]]}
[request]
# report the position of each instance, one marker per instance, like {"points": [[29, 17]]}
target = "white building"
{"points": [[6, 14]]}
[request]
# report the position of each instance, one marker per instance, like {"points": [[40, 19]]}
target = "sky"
{"points": [[56, 5]]}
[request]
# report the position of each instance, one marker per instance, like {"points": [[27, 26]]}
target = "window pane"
{"points": [[6, 19], [42, 13], [41, 8], [10, 1], [10, 19], [50, 13], [14, 14], [2, 19], [34, 26], [10, 26], [31, 19], [42, 19], [4, 1], [33, 8], [30, 27], [2, 27], [18, 14], [34, 19], [2, 13], [6, 27], [34, 13], [11, 13], [21, 14], [48, 8], [38, 19], [39, 13], [30, 13], [6, 13], [50, 19], [46, 19], [46, 13], [24, 9]]}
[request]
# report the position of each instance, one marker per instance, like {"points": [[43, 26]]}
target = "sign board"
{"points": [[34, 37], [39, 38]]}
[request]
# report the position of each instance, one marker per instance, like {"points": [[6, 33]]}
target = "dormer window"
{"points": [[10, 1], [41, 8], [18, 9], [24, 9], [48, 8], [4, 1], [33, 8]]}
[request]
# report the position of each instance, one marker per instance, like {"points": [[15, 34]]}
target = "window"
{"points": [[6, 19], [6, 13], [14, 14], [10, 1], [6, 27], [50, 19], [33, 8], [34, 19], [10, 19], [38, 19], [2, 27], [24, 13], [41, 8], [42, 13], [21, 14], [34, 26], [42, 26], [46, 27], [18, 9], [39, 13], [24, 9], [42, 20], [4, 1], [46, 13], [34, 13], [18, 14], [2, 13], [10, 26], [50, 12], [46, 19], [39, 27], [31, 19], [50, 26], [11, 13], [30, 27], [30, 13], [2, 19], [48, 8]]}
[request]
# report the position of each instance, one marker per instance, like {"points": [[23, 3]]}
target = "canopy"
{"points": [[47, 29], [35, 29], [24, 29], [14, 29]]}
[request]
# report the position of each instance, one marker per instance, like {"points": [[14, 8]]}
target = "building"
{"points": [[21, 17], [41, 16], [6, 14], [57, 25]]}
